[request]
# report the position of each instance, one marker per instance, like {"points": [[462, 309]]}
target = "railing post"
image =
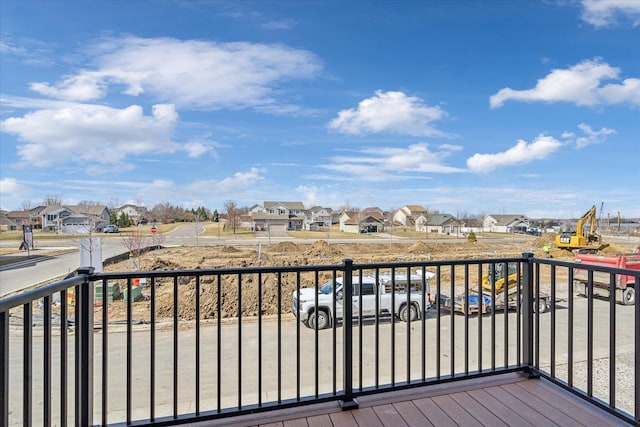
{"points": [[4, 368], [527, 316], [348, 402], [84, 325]]}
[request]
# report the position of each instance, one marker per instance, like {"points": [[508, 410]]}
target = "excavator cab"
{"points": [[496, 275]]}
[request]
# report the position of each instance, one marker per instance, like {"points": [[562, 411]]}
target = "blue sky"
{"points": [[466, 107]]}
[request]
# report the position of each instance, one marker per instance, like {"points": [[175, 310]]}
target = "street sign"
{"points": [[154, 229]]}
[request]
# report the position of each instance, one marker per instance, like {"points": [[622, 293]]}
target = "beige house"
{"points": [[278, 217], [408, 214], [361, 222]]}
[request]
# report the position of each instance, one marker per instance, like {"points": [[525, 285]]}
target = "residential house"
{"points": [[279, 217], [136, 214], [408, 214], [361, 222], [74, 219], [18, 219], [469, 225], [505, 223], [5, 223], [438, 223], [317, 218]]}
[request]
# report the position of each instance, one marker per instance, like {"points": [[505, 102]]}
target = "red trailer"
{"points": [[625, 284]]}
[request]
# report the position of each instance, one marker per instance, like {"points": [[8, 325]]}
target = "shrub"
{"points": [[471, 237]]}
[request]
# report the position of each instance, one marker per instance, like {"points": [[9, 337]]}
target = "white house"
{"points": [[279, 216], [74, 219], [504, 223], [136, 214], [438, 223], [317, 218]]}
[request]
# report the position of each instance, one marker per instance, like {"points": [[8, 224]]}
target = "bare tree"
{"points": [[50, 200], [26, 205], [134, 243], [231, 208]]}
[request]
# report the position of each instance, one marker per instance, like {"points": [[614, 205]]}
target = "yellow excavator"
{"points": [[584, 239]]}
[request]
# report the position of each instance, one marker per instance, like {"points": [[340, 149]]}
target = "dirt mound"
{"points": [[419, 248], [613, 249], [229, 250], [545, 239], [323, 249], [284, 247]]}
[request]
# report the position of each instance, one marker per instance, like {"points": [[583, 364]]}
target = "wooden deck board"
{"points": [[433, 412], [506, 399], [367, 417], [571, 405], [499, 409], [389, 416], [479, 412], [411, 415], [455, 411]]}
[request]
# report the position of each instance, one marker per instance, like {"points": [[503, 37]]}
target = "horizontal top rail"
{"points": [[10, 302]]}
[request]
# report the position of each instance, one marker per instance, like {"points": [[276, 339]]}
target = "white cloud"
{"points": [[583, 84], [522, 153], [391, 112], [11, 186], [191, 74], [603, 13], [592, 136], [90, 133], [379, 164]]}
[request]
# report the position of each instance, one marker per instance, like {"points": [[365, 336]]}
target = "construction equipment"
{"points": [[584, 239], [493, 288]]}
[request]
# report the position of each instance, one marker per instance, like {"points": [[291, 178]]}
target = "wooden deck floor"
{"points": [[505, 400]]}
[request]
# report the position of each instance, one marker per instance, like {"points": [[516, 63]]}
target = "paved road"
{"points": [[297, 343]]}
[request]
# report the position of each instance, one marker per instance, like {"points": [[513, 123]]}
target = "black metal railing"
{"points": [[194, 345]]}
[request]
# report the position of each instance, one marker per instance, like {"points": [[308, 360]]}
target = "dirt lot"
{"points": [[290, 254]]}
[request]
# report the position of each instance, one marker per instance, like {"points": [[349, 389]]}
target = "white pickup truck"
{"points": [[323, 315]]}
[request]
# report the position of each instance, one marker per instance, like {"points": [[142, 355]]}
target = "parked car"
{"points": [[110, 229]]}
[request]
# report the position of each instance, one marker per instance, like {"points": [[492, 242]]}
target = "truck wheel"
{"points": [[408, 312], [629, 296], [540, 306], [318, 319]]}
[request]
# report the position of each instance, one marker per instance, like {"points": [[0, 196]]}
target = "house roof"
{"points": [[413, 209], [289, 205], [19, 214], [508, 219], [440, 219]]}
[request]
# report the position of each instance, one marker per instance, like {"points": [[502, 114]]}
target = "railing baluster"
{"points": [[175, 346], [377, 328], [219, 343], [423, 317], [480, 305], [553, 321], [27, 373], [260, 339], [636, 339], [152, 353], [612, 340], [4, 367], [316, 332], [408, 325], [334, 336], [279, 337], [493, 316], [452, 337], [105, 351], [590, 333], [197, 384], [438, 322], [570, 329], [393, 327], [505, 296], [84, 328], [240, 341], [64, 353], [466, 321], [47, 362], [129, 372]]}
